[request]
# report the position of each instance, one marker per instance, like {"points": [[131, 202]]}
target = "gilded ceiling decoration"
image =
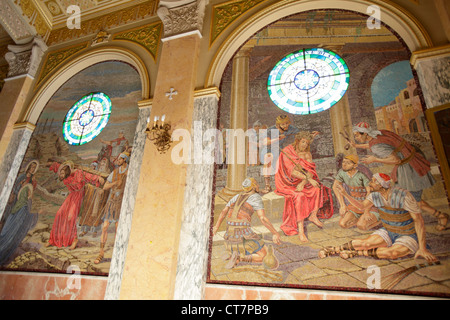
{"points": [[225, 13], [34, 17], [148, 36], [54, 59], [105, 22]]}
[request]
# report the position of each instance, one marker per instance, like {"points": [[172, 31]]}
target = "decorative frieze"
{"points": [[182, 19], [105, 22], [13, 23], [54, 59], [225, 13], [25, 59], [148, 36], [34, 17]]}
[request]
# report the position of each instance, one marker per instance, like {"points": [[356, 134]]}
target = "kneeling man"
{"points": [[242, 243], [358, 186], [403, 230]]}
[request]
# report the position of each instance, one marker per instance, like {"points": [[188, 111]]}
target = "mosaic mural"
{"points": [[351, 198], [63, 210]]}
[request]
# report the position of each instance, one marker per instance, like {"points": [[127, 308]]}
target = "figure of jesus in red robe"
{"points": [[64, 230], [297, 180]]}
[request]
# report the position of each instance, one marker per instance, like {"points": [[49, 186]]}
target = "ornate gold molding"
{"points": [[34, 17], [183, 19], [399, 19], [429, 53], [56, 58], [106, 22], [225, 13], [148, 36]]}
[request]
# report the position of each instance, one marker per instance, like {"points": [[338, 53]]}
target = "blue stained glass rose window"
{"points": [[308, 81], [87, 118]]}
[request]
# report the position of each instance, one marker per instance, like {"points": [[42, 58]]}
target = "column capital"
{"points": [[26, 58], [145, 104], [429, 54], [212, 91], [180, 19], [24, 125]]}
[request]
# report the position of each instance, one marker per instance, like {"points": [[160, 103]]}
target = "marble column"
{"points": [[236, 155], [12, 160], [432, 67], [150, 266], [195, 226], [126, 212], [23, 60]]}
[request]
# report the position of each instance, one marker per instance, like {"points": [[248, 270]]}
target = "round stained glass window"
{"points": [[308, 81], [87, 118]]}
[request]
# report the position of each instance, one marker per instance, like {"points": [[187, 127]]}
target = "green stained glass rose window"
{"points": [[87, 118], [308, 81]]}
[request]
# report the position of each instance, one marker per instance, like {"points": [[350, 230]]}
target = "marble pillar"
{"points": [[24, 61], [126, 212], [153, 247], [237, 169], [432, 66], [13, 159], [195, 226]]}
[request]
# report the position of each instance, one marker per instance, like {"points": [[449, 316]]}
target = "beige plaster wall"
{"points": [[151, 261]]}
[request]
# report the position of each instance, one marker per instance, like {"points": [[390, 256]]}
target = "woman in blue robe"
{"points": [[18, 223]]}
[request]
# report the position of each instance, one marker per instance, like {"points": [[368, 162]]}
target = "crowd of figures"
{"points": [[391, 203], [92, 202]]}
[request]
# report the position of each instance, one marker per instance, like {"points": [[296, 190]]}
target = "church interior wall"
{"points": [[209, 67]]}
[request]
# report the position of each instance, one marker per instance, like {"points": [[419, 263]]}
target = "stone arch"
{"points": [[76, 65], [396, 17], [39, 101]]}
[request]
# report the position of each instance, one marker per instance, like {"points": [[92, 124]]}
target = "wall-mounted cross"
{"points": [[171, 93]]}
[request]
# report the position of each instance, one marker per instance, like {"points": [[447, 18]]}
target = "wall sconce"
{"points": [[159, 134]]}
